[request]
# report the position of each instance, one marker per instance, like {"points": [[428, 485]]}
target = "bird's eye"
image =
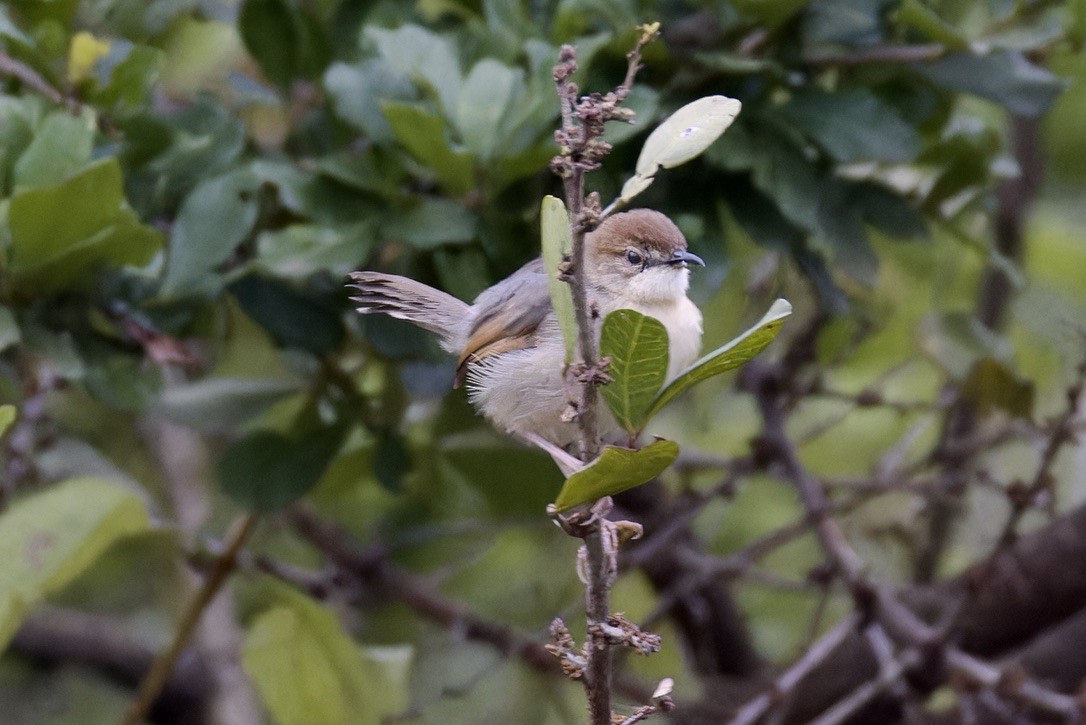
{"points": [[633, 257]]}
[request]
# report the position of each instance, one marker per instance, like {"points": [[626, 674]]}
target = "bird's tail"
{"points": [[406, 299]]}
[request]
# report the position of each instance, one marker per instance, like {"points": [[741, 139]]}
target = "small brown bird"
{"points": [[508, 341]]}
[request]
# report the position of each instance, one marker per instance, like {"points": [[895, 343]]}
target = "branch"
{"points": [[52, 635], [156, 677], [17, 69], [581, 151], [877, 54], [373, 568]]}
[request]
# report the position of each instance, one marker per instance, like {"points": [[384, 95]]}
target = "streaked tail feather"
{"points": [[406, 299]]}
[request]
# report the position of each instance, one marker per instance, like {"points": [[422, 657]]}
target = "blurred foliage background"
{"points": [[184, 185]]}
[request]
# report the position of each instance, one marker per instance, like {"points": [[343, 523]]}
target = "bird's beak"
{"points": [[687, 258]]}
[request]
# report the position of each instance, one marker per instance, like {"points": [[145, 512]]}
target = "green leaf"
{"points": [[10, 31], [357, 91], [486, 468], [854, 125], [275, 34], [424, 57], [307, 669], [850, 22], [485, 103], [8, 413], [916, 14], [431, 222], [267, 470], [615, 471], [557, 242], [294, 319], [681, 137], [222, 403], [60, 234], [299, 251], [638, 348], [131, 79], [215, 218], [1005, 78], [61, 145], [990, 386], [10, 332], [727, 357], [423, 135], [50, 538]]}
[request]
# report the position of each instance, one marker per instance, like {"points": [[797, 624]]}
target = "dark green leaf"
{"points": [[889, 212], [727, 357], [266, 471], [391, 460], [615, 471], [841, 227], [1004, 78], [514, 481], [219, 404], [917, 14], [275, 35], [773, 14], [214, 219], [990, 386], [638, 348], [850, 22], [293, 319], [131, 79], [423, 134], [10, 334], [432, 221], [854, 125]]}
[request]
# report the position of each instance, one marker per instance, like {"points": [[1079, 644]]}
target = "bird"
{"points": [[508, 341]]}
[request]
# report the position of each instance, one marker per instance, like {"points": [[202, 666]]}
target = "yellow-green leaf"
{"points": [[7, 417], [616, 470], [557, 241], [50, 538], [638, 348], [307, 669], [83, 52], [727, 357]]}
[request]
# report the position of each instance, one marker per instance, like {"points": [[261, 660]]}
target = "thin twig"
{"points": [[17, 69], [240, 531], [815, 655]]}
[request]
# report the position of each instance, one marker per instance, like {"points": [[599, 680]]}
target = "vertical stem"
{"points": [[587, 417], [156, 677], [598, 609]]}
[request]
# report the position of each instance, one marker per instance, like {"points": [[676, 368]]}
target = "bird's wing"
{"points": [[508, 316]]}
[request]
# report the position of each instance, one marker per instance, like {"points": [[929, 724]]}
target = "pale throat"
{"points": [[660, 287]]}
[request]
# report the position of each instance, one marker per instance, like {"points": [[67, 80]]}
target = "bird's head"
{"points": [[640, 255]]}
